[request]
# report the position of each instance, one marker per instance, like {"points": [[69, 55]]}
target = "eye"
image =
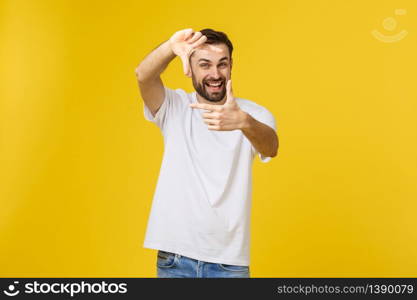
{"points": [[223, 65], [204, 65]]}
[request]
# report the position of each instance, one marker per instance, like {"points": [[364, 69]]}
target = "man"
{"points": [[199, 220]]}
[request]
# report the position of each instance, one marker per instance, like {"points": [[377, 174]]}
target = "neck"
{"points": [[203, 100]]}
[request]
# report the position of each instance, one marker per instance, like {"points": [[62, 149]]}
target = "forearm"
{"points": [[262, 137], [155, 63]]}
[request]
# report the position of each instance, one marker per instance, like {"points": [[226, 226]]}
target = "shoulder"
{"points": [[251, 106], [257, 111], [178, 93]]}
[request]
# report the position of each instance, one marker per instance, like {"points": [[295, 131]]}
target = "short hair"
{"points": [[217, 37]]}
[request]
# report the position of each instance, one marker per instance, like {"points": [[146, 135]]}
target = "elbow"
{"points": [[272, 151], [142, 76], [139, 74], [270, 154], [276, 151], [276, 146]]}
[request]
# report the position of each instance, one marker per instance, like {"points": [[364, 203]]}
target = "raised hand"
{"points": [[228, 116], [183, 44]]}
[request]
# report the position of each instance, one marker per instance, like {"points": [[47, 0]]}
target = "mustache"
{"points": [[222, 80]]}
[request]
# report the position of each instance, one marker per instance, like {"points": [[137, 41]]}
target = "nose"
{"points": [[215, 74]]}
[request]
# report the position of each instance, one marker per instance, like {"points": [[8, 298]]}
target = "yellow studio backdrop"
{"points": [[79, 163]]}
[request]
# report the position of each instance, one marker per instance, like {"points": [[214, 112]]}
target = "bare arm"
{"points": [[148, 75], [262, 137], [229, 116]]}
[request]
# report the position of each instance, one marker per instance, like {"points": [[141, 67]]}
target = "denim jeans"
{"points": [[172, 265]]}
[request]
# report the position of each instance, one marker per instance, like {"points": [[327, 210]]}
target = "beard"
{"points": [[202, 89]]}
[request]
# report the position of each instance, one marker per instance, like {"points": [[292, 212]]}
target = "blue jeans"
{"points": [[172, 265]]}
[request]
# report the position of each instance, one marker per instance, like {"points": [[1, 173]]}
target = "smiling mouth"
{"points": [[214, 86]]}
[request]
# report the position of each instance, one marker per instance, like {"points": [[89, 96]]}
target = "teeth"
{"points": [[215, 84]]}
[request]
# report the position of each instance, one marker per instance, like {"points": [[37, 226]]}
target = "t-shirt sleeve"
{"points": [[169, 106], [266, 117]]}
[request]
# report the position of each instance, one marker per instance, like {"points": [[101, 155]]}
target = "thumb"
{"points": [[186, 62], [229, 91], [186, 65]]}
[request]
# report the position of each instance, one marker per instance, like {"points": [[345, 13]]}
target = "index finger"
{"points": [[206, 106], [199, 42], [195, 37]]}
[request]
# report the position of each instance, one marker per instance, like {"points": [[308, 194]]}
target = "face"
{"points": [[211, 67]]}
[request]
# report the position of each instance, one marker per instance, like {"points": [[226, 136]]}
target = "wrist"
{"points": [[245, 121], [167, 48]]}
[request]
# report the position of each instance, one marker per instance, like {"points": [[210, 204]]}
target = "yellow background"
{"points": [[79, 162]]}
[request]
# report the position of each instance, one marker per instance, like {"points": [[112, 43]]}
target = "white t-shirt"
{"points": [[201, 206]]}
